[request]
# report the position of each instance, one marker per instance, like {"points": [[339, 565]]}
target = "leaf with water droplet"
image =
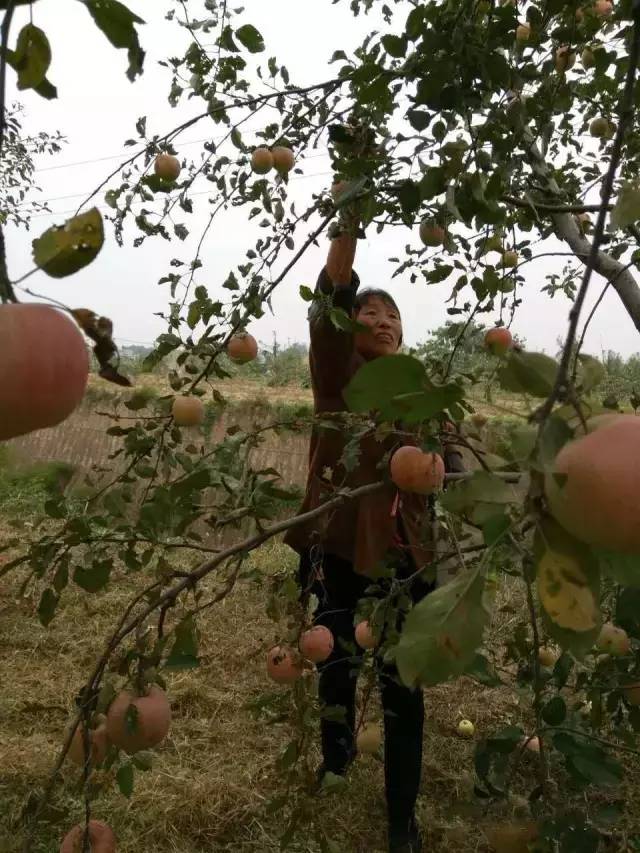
{"points": [[64, 249]]}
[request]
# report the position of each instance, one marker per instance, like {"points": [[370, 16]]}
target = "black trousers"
{"points": [[338, 592]]}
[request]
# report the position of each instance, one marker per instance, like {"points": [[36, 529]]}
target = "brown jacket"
{"points": [[363, 530]]}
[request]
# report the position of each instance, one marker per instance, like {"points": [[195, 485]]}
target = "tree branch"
{"points": [[7, 293], [4, 39], [124, 628], [568, 229], [554, 208]]}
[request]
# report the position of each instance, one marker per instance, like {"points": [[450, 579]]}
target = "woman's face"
{"points": [[385, 329]]}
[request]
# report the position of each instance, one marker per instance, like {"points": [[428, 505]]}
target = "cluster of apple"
{"points": [[285, 665], [265, 159], [152, 714], [601, 9]]}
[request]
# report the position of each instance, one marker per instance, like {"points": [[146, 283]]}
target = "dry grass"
{"points": [[213, 777], [239, 389], [236, 389]]}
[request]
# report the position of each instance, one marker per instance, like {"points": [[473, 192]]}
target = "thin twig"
{"points": [[528, 571], [267, 292], [459, 340]]}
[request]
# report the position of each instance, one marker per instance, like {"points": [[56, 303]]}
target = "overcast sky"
{"points": [[97, 109]]}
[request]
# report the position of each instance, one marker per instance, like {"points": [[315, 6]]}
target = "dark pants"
{"points": [[338, 592]]}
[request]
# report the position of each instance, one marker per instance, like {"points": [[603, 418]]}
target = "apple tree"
{"points": [[497, 134]]}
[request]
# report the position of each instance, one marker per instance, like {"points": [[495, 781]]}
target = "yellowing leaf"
{"points": [[564, 592], [568, 582], [64, 249]]}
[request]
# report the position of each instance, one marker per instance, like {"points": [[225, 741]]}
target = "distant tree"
{"points": [[17, 169]]}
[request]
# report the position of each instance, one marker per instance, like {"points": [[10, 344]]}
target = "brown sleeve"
{"points": [[331, 349], [453, 461]]}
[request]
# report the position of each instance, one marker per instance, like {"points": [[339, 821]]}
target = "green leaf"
{"points": [[568, 583], [482, 671], [288, 757], [591, 372], [194, 315], [306, 293], [377, 382], [117, 22], [442, 633], [184, 654], [555, 711], [143, 761], [332, 783], [594, 765], [506, 740], [439, 273], [55, 508], [32, 57], [627, 207], [556, 432], [419, 119], [47, 606], [492, 754], [482, 487], [523, 440], [433, 182], [395, 46], [155, 183], [529, 373], [95, 578], [562, 670], [450, 202], [64, 249], [494, 528], [46, 90], [137, 402], [622, 568], [124, 778], [422, 405], [231, 282], [409, 196], [251, 38]]}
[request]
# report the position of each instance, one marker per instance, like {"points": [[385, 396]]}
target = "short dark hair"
{"points": [[363, 297]]}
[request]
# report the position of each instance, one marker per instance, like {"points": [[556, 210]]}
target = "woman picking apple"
{"points": [[339, 555]]}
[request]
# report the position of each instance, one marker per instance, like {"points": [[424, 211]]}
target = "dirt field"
{"points": [[212, 779]]}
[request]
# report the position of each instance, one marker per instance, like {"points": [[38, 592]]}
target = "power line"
{"points": [[86, 192], [124, 154], [115, 156], [202, 192]]}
